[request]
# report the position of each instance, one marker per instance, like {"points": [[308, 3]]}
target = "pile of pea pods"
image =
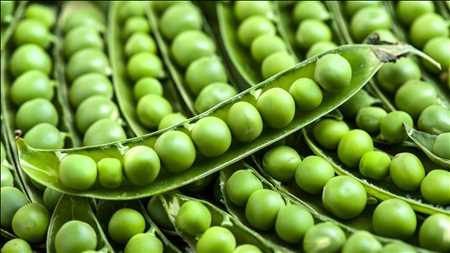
{"points": [[225, 126]]}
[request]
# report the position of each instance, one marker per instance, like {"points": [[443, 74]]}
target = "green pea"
{"points": [[156, 211], [244, 121], [41, 13], [312, 31], [170, 120], [435, 187], [406, 171], [414, 96], [247, 248], [265, 45], [110, 172], [356, 103], [352, 7], [32, 84], [435, 119], [6, 177], [394, 218], [313, 173], [36, 111], [245, 9], [353, 146], [344, 196], [11, 200], [30, 222], [104, 131], [144, 243], [394, 74], [329, 132], [441, 147], [368, 20], [160, 6], [361, 241], [32, 31], [396, 247], [93, 109], [320, 48], [307, 94], [277, 107], [44, 136], [385, 35], [252, 27], [263, 217], [87, 15], [78, 172], [30, 57], [434, 233], [7, 12], [211, 136], [124, 224], [427, 27], [139, 42], [129, 9], [193, 218], [145, 65], [151, 109], [88, 85], [51, 198], [75, 236], [292, 223], [391, 126], [141, 165], [147, 85], [281, 162], [324, 232], [85, 61], [190, 46], [374, 165], [438, 49], [333, 72], [309, 10], [16, 245], [408, 11], [241, 185], [204, 71], [212, 95], [176, 151], [135, 24], [80, 38], [216, 240], [188, 17], [276, 63], [369, 118]]}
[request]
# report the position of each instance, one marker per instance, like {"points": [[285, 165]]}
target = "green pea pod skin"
{"points": [[74, 208], [243, 234], [8, 30], [381, 190], [424, 141]]}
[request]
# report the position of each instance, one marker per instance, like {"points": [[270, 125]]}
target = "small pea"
{"points": [[41, 13], [435, 119], [141, 165], [438, 49], [160, 6], [30, 57], [6, 177], [32, 84], [176, 151], [309, 10], [110, 172], [265, 45], [391, 126], [156, 211], [104, 131], [276, 63], [33, 32], [356, 103], [86, 61], [190, 46], [139, 42], [30, 222], [281, 162], [333, 72], [324, 232], [307, 94], [362, 241], [11, 200], [320, 48], [211, 136], [353, 146], [277, 107], [216, 240], [352, 7], [394, 218], [441, 147], [75, 236], [369, 118], [414, 96], [244, 121], [36, 111], [407, 12], [85, 16], [144, 242], [131, 9], [263, 217], [51, 198], [45, 136], [434, 233], [93, 109], [193, 218], [241, 185], [245, 9], [312, 31], [329, 132], [16, 245], [374, 164], [80, 38], [171, 120], [394, 74], [124, 224], [136, 24], [406, 171], [313, 173], [145, 65], [292, 223], [212, 95], [78, 172], [204, 71], [427, 27], [368, 20], [151, 109], [252, 27], [147, 85], [435, 187], [396, 247], [89, 85], [187, 16], [247, 248]]}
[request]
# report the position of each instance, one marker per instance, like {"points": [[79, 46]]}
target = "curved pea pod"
{"points": [[14, 16], [381, 190]]}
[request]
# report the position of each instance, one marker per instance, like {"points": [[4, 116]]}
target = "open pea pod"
{"points": [[365, 60], [73, 208], [381, 190]]}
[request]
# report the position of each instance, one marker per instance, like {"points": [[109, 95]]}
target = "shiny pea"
{"points": [[104, 131], [41, 13], [216, 240], [406, 171], [247, 248], [245, 9], [374, 165], [80, 38], [241, 185], [263, 217], [394, 218], [176, 151], [320, 47], [438, 49], [190, 46], [32, 84], [78, 172], [353, 146], [211, 136], [36, 111], [434, 119], [145, 65], [441, 147], [139, 42], [265, 45], [369, 118], [11, 200], [328, 132], [252, 27], [144, 242], [205, 71], [312, 31], [171, 120], [407, 12], [85, 61], [16, 245], [427, 27], [313, 173], [309, 10], [124, 224], [89, 85], [141, 165], [356, 103], [30, 222], [434, 233], [30, 57], [307, 94], [277, 107], [129, 9], [160, 6], [333, 72], [51, 198], [151, 109], [147, 85], [212, 95], [110, 172], [187, 16], [394, 74], [44, 136], [292, 223], [324, 232], [435, 187], [135, 24], [352, 7], [75, 236], [244, 121], [281, 162], [414, 96], [368, 20], [193, 218], [6, 177], [362, 241], [32, 31], [391, 126], [85, 16], [276, 63], [396, 247], [93, 109]]}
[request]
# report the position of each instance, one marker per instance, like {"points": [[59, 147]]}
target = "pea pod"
{"points": [[12, 22]]}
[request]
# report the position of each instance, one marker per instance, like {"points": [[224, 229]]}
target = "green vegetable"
{"points": [[12, 200], [353, 7], [93, 109], [16, 245], [368, 20], [187, 17], [51, 198], [434, 119], [32, 32], [391, 126], [245, 9], [41, 13], [213, 94], [31, 84], [306, 93], [45, 136], [333, 72], [176, 151], [30, 222], [277, 107], [80, 38], [78, 172], [312, 31], [414, 96], [326, 231], [190, 46], [292, 223], [441, 147], [216, 240], [36, 111], [151, 109], [252, 27], [433, 233], [406, 171], [203, 72], [247, 248], [144, 242], [393, 75], [435, 187], [170, 120], [265, 45], [139, 42], [352, 146], [263, 217], [427, 27], [281, 162], [30, 57], [89, 85], [329, 132], [320, 48], [309, 10], [276, 63], [146, 86], [211, 136], [6, 177], [85, 61], [75, 236], [369, 118], [104, 131], [245, 121], [313, 173], [374, 164], [394, 218], [134, 25], [141, 165], [124, 224], [241, 185], [145, 65], [361, 241], [407, 12], [193, 218], [438, 49]]}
